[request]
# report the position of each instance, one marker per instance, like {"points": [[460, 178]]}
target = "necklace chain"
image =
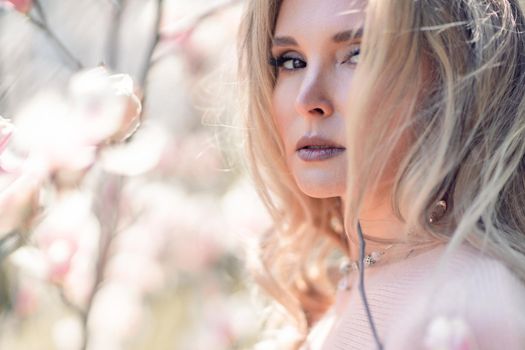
{"points": [[347, 266]]}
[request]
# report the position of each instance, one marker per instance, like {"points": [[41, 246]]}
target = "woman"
{"points": [[390, 133]]}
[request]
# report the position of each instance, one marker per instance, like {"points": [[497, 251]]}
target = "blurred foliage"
{"points": [[139, 217]]}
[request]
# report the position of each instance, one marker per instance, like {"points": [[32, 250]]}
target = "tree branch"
{"points": [[9, 243], [114, 32], [107, 211], [194, 23], [40, 11], [153, 45], [43, 25], [75, 308]]}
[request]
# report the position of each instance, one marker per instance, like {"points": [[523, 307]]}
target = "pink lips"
{"points": [[315, 148]]}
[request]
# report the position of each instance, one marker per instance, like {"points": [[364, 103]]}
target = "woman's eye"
{"points": [[288, 63], [353, 56]]}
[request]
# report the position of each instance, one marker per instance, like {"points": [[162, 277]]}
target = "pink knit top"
{"points": [[471, 302]]}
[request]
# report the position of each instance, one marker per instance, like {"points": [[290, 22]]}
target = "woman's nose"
{"points": [[314, 98]]}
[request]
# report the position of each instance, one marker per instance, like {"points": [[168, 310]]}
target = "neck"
{"points": [[378, 222]]}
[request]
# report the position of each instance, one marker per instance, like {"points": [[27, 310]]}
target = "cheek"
{"points": [[345, 82]]}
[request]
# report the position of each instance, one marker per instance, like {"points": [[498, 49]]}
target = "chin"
{"points": [[320, 180], [326, 186]]}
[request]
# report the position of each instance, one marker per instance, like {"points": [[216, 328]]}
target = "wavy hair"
{"points": [[452, 72]]}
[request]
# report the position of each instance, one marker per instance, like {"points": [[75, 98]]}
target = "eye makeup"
{"points": [[353, 56], [291, 63], [287, 62]]}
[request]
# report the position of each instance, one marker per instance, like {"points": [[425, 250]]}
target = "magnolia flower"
{"points": [[139, 272], [49, 136], [67, 333], [6, 130], [140, 155], [445, 333], [60, 133], [106, 105], [116, 315], [28, 295], [19, 184], [23, 6], [69, 231], [31, 262]]}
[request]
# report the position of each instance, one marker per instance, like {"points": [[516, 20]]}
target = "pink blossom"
{"points": [[116, 315], [23, 6], [67, 333], [60, 252], [19, 183], [449, 333], [50, 137], [31, 262], [64, 133], [141, 273], [6, 130], [26, 300], [70, 229], [106, 105], [140, 155], [78, 283], [29, 295]]}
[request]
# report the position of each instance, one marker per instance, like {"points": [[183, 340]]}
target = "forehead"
{"points": [[309, 17]]}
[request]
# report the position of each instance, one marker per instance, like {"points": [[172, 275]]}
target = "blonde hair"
{"points": [[453, 75]]}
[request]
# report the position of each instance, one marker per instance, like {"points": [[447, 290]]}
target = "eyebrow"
{"points": [[284, 41], [347, 35], [340, 37]]}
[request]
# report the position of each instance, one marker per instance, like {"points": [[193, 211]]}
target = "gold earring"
{"points": [[439, 211]]}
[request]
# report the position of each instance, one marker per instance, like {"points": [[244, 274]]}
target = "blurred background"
{"points": [[137, 239]]}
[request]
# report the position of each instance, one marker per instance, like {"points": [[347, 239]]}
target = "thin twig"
{"points": [[113, 34], [9, 243], [107, 211], [43, 25], [4, 85], [153, 45], [116, 3], [40, 11], [75, 308], [195, 22], [143, 77]]}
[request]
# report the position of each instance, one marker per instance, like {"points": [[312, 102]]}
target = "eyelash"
{"points": [[279, 61]]}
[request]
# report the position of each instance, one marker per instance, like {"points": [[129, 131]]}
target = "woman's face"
{"points": [[316, 49]]}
